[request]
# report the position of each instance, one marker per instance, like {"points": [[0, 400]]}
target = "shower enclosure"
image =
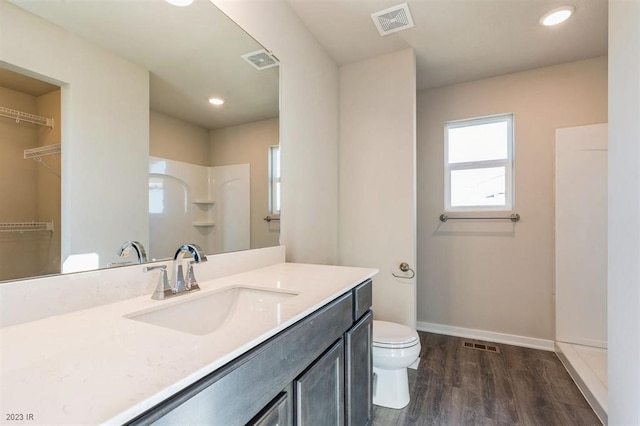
{"points": [[581, 259], [208, 206]]}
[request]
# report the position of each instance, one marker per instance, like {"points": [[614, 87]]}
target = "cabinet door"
{"points": [[320, 390], [275, 414], [359, 371]]}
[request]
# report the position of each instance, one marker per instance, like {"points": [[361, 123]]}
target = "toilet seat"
{"points": [[393, 336]]}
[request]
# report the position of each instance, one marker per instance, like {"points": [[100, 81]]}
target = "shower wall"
{"points": [[581, 235], [249, 143], [581, 259], [188, 203]]}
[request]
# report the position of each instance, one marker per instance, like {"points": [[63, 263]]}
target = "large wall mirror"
{"points": [[131, 146]]}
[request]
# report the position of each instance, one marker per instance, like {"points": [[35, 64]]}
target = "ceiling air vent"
{"points": [[261, 59], [392, 20]]}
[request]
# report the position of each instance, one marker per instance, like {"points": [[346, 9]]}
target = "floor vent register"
{"points": [[481, 347]]}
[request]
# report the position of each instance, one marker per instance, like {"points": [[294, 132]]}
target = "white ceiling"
{"points": [[460, 40], [192, 53]]}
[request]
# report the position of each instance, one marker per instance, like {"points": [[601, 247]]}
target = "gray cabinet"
{"points": [[309, 374], [320, 390], [359, 371], [277, 413]]}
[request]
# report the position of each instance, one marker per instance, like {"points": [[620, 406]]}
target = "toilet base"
{"points": [[391, 388]]}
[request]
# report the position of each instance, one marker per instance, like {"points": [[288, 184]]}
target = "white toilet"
{"points": [[395, 347]]}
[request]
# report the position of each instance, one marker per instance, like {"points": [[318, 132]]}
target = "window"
{"points": [[156, 196], [274, 179], [479, 164]]}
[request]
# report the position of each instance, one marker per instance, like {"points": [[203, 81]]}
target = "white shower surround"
{"points": [[212, 211], [581, 260]]}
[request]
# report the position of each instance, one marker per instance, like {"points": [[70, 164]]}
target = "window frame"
{"points": [[508, 163], [273, 181]]}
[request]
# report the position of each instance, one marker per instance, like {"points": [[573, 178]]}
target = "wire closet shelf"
{"points": [[26, 226], [19, 116], [37, 153], [42, 151]]}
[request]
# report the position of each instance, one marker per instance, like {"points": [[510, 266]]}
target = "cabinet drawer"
{"points": [[362, 299]]}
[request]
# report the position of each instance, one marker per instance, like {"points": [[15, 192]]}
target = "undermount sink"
{"points": [[206, 313]]}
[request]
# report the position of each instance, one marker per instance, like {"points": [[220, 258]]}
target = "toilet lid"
{"points": [[391, 335]]}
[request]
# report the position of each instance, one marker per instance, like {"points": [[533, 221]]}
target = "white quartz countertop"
{"points": [[95, 366]]}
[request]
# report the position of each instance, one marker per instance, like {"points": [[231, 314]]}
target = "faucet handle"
{"points": [[179, 282], [192, 283], [163, 290]]}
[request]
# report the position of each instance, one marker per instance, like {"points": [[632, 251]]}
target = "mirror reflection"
{"points": [[29, 176], [136, 150]]}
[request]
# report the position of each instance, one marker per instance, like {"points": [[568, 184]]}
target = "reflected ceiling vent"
{"points": [[392, 20], [261, 59]]}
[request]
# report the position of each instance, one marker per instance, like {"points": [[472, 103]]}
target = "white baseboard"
{"points": [[489, 336]]}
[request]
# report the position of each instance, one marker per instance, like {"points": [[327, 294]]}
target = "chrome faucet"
{"points": [[181, 284], [137, 247], [163, 289], [178, 284]]}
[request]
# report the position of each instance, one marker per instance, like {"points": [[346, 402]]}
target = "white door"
{"points": [[378, 178], [581, 235]]}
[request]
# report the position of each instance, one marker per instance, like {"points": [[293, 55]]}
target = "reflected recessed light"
{"points": [[180, 3], [557, 16], [216, 101]]}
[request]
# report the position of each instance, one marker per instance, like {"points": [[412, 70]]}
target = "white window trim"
{"points": [[508, 163], [272, 182]]}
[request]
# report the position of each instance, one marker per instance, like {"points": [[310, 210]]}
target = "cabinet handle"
{"points": [[404, 267]]}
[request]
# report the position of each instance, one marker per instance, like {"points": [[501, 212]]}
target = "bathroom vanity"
{"points": [[293, 347], [316, 372]]}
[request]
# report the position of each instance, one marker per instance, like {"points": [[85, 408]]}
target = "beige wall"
{"points": [[30, 191], [14, 139], [18, 179], [624, 213], [105, 128], [309, 81], [498, 276], [249, 143], [178, 140], [49, 185], [377, 176]]}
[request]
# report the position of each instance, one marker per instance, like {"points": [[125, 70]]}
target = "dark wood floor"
{"points": [[460, 386]]}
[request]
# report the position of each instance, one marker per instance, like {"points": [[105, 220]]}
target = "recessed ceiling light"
{"points": [[180, 3], [216, 101], [557, 16]]}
